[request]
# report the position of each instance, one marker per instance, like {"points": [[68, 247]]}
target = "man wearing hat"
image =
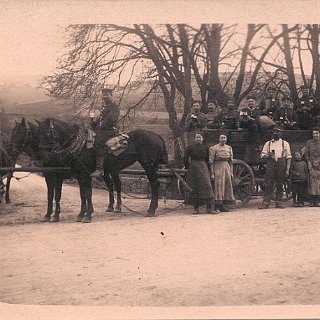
{"points": [[276, 152], [109, 111], [285, 116], [250, 118], [105, 127], [213, 118], [195, 120], [269, 106], [307, 109]]}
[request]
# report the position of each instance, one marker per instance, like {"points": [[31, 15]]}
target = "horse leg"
{"points": [[109, 182], [83, 209], [7, 193], [87, 183], [2, 190], [50, 194], [57, 198], [117, 184], [151, 172]]}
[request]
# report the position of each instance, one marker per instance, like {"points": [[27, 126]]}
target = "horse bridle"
{"points": [[25, 139]]}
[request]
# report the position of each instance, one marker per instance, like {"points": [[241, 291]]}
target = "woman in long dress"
{"points": [[312, 156], [220, 158], [198, 176]]}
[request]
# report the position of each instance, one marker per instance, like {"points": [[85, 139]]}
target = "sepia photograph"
{"points": [[159, 159]]}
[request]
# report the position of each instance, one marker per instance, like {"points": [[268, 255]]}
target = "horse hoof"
{"points": [[109, 209], [55, 219], [46, 219], [151, 215], [79, 218], [86, 220], [117, 210], [8, 201]]}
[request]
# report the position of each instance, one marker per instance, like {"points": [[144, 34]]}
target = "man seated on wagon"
{"points": [[250, 118], [286, 116], [307, 109], [213, 118], [230, 116], [269, 106], [195, 120]]}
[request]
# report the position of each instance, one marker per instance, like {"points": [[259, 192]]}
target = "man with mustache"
{"points": [[276, 152]]}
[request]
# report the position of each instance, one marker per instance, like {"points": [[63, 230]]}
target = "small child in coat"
{"points": [[298, 174]]}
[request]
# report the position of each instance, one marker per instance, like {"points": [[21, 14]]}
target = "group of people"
{"points": [[303, 170], [209, 175], [289, 115], [210, 172]]}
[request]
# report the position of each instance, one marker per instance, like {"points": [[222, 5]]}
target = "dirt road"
{"points": [[245, 257]]}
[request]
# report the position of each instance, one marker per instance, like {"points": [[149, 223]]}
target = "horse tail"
{"points": [[163, 159]]}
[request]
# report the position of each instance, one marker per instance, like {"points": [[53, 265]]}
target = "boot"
{"points": [[212, 210], [196, 210], [99, 172], [279, 205], [222, 208], [264, 205]]}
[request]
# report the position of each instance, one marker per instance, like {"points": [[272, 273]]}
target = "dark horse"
{"points": [[149, 149], [7, 159], [50, 141]]}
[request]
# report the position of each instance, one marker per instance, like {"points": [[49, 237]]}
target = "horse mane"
{"points": [[65, 131], [64, 127]]}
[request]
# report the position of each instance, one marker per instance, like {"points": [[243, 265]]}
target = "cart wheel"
{"points": [[243, 182]]}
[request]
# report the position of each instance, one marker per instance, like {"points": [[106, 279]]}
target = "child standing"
{"points": [[298, 174]]}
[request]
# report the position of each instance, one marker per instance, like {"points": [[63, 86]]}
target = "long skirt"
{"points": [[198, 179], [314, 183], [223, 190]]}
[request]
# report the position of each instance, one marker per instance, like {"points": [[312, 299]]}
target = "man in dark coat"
{"points": [[195, 121], [109, 113], [269, 106], [285, 116], [213, 118], [250, 118], [307, 109], [230, 116], [105, 127]]}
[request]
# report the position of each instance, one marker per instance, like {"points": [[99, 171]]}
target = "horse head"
{"points": [[56, 132], [23, 137], [19, 136], [48, 134]]}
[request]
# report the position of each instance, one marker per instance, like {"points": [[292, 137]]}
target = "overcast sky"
{"points": [[31, 32]]}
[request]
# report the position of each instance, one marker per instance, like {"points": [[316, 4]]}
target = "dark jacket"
{"points": [[252, 113], [298, 170], [269, 106], [194, 122], [284, 114], [109, 116], [213, 119]]}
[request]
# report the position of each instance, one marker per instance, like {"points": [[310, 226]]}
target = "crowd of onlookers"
{"points": [[304, 113], [210, 170]]}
